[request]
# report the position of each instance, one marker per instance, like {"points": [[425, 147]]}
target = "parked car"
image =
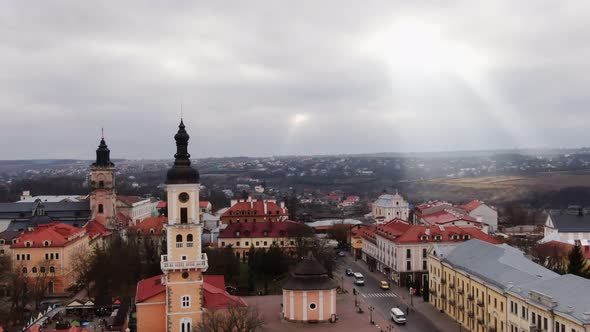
{"points": [[349, 271], [341, 253], [398, 316], [384, 284]]}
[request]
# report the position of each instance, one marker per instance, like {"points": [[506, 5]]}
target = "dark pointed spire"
{"points": [[182, 172], [103, 154]]}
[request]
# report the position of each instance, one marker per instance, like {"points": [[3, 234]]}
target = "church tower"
{"points": [[102, 183], [184, 264]]}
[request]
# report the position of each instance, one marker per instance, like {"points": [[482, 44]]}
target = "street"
{"points": [[383, 300]]}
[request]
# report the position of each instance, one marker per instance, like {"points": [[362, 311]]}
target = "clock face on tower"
{"points": [[183, 197]]}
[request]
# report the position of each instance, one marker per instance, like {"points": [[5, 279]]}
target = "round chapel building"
{"points": [[309, 295]]}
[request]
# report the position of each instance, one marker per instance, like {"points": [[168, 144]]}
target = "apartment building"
{"points": [[495, 288]]}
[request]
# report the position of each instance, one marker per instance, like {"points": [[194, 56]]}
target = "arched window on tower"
{"points": [[101, 184], [189, 240], [178, 241], [100, 208]]}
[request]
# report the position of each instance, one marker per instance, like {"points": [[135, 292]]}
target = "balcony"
{"points": [[480, 321], [461, 291], [452, 286], [492, 329], [167, 265], [443, 296], [443, 281], [470, 297], [433, 292], [470, 314], [189, 244], [452, 303], [480, 303], [461, 307]]}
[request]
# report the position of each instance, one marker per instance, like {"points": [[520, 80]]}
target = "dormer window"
{"points": [[152, 231], [28, 244], [139, 232], [238, 233], [46, 244], [424, 238], [466, 237], [1, 242], [13, 241], [265, 233]]}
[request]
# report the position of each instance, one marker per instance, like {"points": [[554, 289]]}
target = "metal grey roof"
{"points": [[388, 200], [569, 293], [500, 265], [9, 235], [567, 223]]}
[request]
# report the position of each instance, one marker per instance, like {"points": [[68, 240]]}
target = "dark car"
{"points": [[349, 272]]}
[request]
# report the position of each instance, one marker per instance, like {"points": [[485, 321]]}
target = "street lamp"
{"points": [[371, 308]]}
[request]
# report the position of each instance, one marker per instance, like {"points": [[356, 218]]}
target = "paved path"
{"points": [[422, 317]]}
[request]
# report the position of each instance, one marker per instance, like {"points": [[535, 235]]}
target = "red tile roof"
{"points": [[144, 227], [257, 208], [447, 216], [257, 229], [471, 205], [563, 249], [203, 204], [130, 199], [95, 229], [214, 297], [415, 233], [122, 219], [58, 235], [161, 205]]}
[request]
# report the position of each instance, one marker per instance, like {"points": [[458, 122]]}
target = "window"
{"points": [[312, 306], [408, 265], [185, 325], [28, 257], [265, 243], [34, 269], [24, 270], [186, 301], [247, 243], [222, 243], [1, 251], [424, 265], [238, 244], [56, 256], [424, 254], [189, 238], [100, 208], [408, 253], [42, 269], [183, 215], [18, 257], [1, 241], [282, 243], [46, 257], [257, 243], [101, 184], [46, 244]]}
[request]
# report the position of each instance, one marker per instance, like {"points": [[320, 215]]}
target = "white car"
{"points": [[359, 279], [398, 316]]}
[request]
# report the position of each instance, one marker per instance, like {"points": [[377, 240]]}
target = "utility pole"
{"points": [[371, 308]]}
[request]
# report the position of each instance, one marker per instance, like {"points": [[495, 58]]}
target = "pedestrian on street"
{"points": [[407, 311]]}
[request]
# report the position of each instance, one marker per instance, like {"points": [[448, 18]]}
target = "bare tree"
{"points": [[235, 318], [303, 236], [81, 267], [40, 281]]}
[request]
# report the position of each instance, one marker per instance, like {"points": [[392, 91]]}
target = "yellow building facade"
{"points": [[494, 288]]}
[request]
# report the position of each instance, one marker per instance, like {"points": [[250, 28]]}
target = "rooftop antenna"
{"points": [[102, 132]]}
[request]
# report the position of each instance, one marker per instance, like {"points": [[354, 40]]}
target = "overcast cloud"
{"points": [[260, 78]]}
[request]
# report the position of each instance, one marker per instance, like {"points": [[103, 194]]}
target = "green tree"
{"points": [[577, 262]]}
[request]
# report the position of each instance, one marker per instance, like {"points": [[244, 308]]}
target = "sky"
{"points": [[261, 78]]}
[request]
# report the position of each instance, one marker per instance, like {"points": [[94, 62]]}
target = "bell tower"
{"points": [[102, 183], [184, 264]]}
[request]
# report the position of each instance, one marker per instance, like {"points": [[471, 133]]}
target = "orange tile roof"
{"points": [[203, 204], [58, 235], [414, 233], [130, 199], [144, 227], [257, 229], [255, 208], [214, 297], [96, 229]]}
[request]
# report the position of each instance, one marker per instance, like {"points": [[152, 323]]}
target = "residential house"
{"points": [[243, 236], [568, 227], [134, 207], [483, 213]]}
